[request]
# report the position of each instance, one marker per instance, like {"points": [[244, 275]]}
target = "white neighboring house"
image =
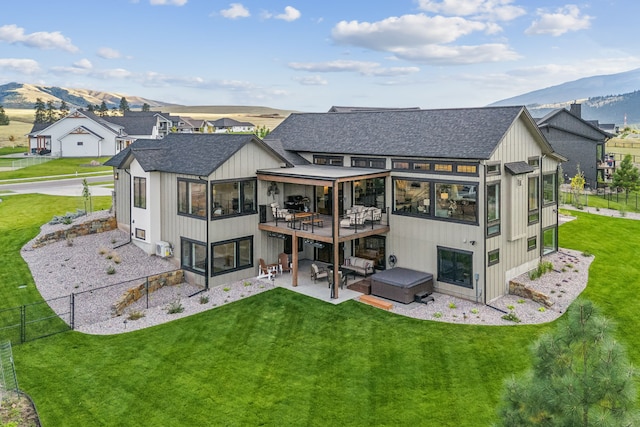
{"points": [[229, 125], [84, 134]]}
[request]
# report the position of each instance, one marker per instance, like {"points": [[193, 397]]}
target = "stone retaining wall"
{"points": [[90, 227], [521, 290], [170, 278]]}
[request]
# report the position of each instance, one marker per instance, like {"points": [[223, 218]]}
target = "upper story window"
{"points": [[549, 189], [328, 160], [493, 209], [233, 198], [443, 167], [192, 198], [534, 213], [367, 162], [412, 197], [456, 201], [139, 192], [534, 162], [435, 167], [472, 169], [369, 192], [493, 169]]}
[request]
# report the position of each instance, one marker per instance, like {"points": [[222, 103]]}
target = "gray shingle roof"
{"points": [[142, 125], [227, 122], [518, 168], [465, 133], [191, 154]]}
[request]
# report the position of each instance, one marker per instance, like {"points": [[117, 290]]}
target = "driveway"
{"points": [[60, 187]]}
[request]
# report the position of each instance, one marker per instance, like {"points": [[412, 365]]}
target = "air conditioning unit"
{"points": [[163, 249]]}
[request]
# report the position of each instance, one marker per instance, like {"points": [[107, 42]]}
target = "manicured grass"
{"points": [[280, 358], [12, 150], [62, 166], [615, 201]]}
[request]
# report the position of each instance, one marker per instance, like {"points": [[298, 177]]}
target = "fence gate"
{"points": [[8, 379]]}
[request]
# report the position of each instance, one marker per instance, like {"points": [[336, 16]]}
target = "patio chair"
{"points": [[267, 269], [283, 260], [318, 273], [343, 279]]}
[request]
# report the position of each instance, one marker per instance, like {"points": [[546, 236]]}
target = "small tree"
{"points": [[86, 195], [626, 176], [577, 187], [51, 114], [40, 116], [103, 110], [64, 109], [4, 119], [146, 107], [262, 131], [124, 105], [580, 377]]}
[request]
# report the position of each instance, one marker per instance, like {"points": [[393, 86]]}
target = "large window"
{"points": [[456, 201], [455, 267], [549, 189], [534, 214], [369, 192], [232, 255], [193, 256], [493, 209], [139, 192], [412, 197], [192, 198], [233, 198], [550, 240]]}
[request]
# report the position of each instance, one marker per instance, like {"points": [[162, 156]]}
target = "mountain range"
{"points": [[611, 98]]}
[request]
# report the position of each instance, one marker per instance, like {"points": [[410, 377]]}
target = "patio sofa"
{"points": [[361, 266]]}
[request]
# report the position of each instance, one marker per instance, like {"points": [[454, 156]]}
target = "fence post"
{"points": [[146, 286], [72, 310], [23, 324]]}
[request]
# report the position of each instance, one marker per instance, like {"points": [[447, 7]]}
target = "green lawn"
{"points": [[63, 166], [280, 358]]}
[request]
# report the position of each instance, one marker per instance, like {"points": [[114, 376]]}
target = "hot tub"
{"points": [[401, 284]]}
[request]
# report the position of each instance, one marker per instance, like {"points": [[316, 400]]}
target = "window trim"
{"points": [[494, 252], [189, 267], [206, 196], [140, 200], [533, 215], [370, 161], [140, 234], [236, 255], [554, 186], [455, 252], [532, 247], [329, 160], [498, 170], [498, 221], [534, 162], [432, 167]]}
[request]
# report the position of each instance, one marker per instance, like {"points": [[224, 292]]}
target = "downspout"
{"points": [[130, 216], [540, 202]]}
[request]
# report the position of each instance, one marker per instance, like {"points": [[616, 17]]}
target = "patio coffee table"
{"points": [[346, 271]]}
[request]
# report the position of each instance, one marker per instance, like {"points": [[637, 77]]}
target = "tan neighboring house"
{"points": [[466, 195]]}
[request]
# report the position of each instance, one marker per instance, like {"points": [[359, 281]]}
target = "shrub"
{"points": [[175, 307], [204, 299], [247, 283], [475, 311], [437, 314], [111, 270], [116, 258], [135, 315], [452, 305], [226, 289], [511, 317], [543, 267], [102, 251]]}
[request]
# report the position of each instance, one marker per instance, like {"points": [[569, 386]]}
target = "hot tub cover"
{"points": [[402, 277]]}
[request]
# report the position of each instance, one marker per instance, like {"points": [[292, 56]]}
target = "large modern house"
{"points": [[581, 141], [466, 195], [84, 134]]}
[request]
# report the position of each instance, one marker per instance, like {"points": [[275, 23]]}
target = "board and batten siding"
{"points": [[122, 199]]}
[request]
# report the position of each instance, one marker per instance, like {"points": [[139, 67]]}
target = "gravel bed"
{"points": [[61, 268]]}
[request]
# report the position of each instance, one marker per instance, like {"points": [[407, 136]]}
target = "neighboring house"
{"points": [[191, 125], [230, 125], [582, 142], [472, 204], [85, 134]]}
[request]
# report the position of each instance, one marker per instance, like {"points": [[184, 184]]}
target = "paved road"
{"points": [[65, 187]]}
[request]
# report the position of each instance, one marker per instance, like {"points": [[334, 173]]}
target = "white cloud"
{"points": [[13, 34], [311, 81], [563, 20], [454, 55], [235, 11], [361, 67], [108, 53], [24, 66], [499, 10], [83, 63], [407, 30], [167, 2], [290, 14]]}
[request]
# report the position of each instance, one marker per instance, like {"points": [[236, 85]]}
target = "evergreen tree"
{"points": [[146, 107], [580, 377], [51, 115], [64, 109], [124, 105], [626, 176], [91, 108], [41, 116], [103, 110], [4, 119]]}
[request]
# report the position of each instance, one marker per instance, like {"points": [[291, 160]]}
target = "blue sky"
{"points": [[310, 55]]}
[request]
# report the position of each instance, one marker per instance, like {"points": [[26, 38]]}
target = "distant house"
{"points": [[191, 125], [468, 196], [582, 142], [84, 134], [229, 125]]}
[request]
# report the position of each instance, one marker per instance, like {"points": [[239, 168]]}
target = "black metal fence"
{"points": [[41, 319], [603, 198]]}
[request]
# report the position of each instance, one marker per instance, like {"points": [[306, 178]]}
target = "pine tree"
{"points": [[124, 105], [103, 110], [50, 114], [64, 109], [580, 377], [41, 116], [626, 176], [91, 108], [4, 119], [146, 107]]}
